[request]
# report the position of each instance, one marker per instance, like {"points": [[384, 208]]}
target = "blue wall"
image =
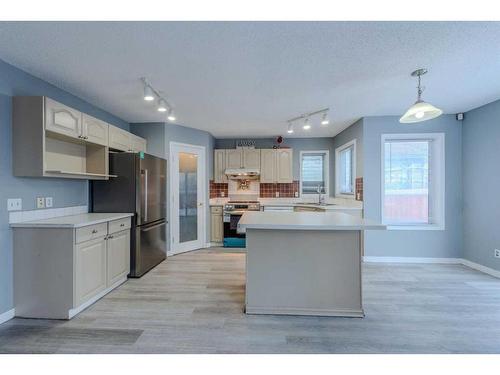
{"points": [[355, 131], [414, 243], [481, 184], [65, 192]]}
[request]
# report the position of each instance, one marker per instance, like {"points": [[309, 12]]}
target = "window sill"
{"points": [[416, 227], [345, 196]]}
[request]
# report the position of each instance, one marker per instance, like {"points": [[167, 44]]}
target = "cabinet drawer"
{"points": [[216, 210], [118, 225], [91, 232]]}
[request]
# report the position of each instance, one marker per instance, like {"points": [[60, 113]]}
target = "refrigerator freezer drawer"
{"points": [[150, 247]]}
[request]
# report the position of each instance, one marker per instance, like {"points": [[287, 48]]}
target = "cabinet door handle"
{"points": [[110, 237], [94, 231], [122, 225]]}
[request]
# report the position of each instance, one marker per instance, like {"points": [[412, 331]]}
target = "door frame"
{"points": [[175, 148]]}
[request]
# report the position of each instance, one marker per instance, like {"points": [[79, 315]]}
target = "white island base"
{"points": [[304, 263]]}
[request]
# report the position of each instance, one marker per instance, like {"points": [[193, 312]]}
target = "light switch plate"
{"points": [[14, 204], [48, 202], [40, 202]]}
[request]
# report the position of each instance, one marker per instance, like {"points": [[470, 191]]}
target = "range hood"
{"points": [[242, 173]]}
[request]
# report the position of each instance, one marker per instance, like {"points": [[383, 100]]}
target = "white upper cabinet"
{"points": [[119, 139], [220, 166], [137, 144], [267, 166], [62, 119], [234, 158], [251, 158], [94, 130], [284, 162], [122, 140]]}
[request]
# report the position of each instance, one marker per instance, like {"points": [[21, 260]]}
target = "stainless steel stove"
{"points": [[233, 210]]}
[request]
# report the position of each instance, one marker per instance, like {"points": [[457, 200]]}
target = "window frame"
{"points": [[326, 169], [437, 179], [338, 150]]}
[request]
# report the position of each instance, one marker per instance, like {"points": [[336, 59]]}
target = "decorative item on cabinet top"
{"points": [[51, 139]]}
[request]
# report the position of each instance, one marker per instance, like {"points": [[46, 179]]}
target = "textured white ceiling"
{"points": [[247, 78]]}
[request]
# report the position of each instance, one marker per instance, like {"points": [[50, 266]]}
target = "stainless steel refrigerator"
{"points": [[139, 188]]}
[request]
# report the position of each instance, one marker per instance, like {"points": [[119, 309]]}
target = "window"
{"points": [[345, 171], [413, 181], [313, 172]]}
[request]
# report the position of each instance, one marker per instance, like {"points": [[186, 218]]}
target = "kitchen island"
{"points": [[304, 263]]}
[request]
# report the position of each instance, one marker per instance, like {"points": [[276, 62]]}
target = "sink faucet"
{"points": [[321, 199]]}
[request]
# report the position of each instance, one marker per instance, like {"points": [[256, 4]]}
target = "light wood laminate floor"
{"points": [[193, 303]]}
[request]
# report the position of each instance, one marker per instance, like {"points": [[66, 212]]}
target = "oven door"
{"points": [[231, 236]]}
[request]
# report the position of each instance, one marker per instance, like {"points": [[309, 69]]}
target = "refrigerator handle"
{"points": [[146, 195], [144, 187]]}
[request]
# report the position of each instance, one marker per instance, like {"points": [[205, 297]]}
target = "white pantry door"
{"points": [[187, 197]]}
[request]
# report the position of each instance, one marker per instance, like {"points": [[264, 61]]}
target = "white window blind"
{"points": [[313, 172]]}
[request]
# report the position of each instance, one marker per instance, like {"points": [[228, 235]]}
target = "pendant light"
{"points": [[420, 111]]}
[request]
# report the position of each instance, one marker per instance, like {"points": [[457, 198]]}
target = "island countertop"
{"points": [[306, 221], [72, 221]]}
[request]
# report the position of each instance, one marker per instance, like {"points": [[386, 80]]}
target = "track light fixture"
{"points": [[307, 124], [150, 93], [306, 117], [162, 105], [324, 119], [171, 116]]}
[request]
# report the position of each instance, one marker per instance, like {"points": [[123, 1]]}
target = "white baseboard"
{"points": [[8, 315], [465, 262], [479, 267], [375, 259]]}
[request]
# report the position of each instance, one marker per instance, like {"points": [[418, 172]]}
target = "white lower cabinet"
{"points": [[60, 271], [90, 269], [118, 260]]}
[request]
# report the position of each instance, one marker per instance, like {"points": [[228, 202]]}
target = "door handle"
{"points": [[145, 186]]}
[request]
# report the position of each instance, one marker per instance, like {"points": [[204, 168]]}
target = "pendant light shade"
{"points": [[420, 111]]}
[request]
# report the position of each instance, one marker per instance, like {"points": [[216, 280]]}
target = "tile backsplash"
{"points": [[359, 189], [268, 190], [218, 189]]}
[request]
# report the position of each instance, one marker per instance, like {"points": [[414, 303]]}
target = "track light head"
{"points": [[148, 93], [162, 105], [171, 117], [324, 119], [290, 128], [307, 124]]}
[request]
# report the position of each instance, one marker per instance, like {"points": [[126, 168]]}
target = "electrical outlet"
{"points": [[48, 202], [277, 194], [222, 194], [497, 253], [296, 194], [40, 202], [14, 204]]}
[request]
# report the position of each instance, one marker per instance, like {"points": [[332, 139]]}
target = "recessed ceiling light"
{"points": [[162, 105], [307, 124], [420, 111]]}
